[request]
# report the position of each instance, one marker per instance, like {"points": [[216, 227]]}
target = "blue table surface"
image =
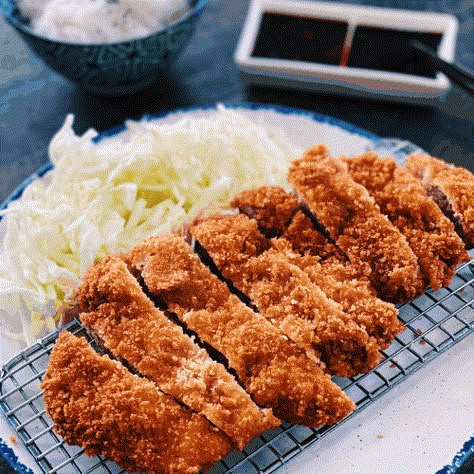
{"points": [[34, 100]]}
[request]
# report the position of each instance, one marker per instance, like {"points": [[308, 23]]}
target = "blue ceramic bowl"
{"points": [[115, 68]]}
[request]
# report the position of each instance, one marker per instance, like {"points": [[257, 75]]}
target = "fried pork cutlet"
{"points": [[285, 295], [451, 187], [320, 259], [355, 294], [402, 198], [273, 370], [306, 240], [279, 214], [271, 206], [96, 403], [126, 323], [324, 263], [353, 220]]}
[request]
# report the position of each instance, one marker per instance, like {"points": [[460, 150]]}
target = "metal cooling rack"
{"points": [[434, 322]]}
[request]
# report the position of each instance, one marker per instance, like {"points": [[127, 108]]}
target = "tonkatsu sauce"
{"points": [[387, 49], [300, 38], [339, 43]]}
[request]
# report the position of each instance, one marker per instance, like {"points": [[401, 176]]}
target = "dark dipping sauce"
{"points": [[326, 41], [298, 38], [386, 49]]}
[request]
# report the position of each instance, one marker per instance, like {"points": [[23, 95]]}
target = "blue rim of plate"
{"points": [[6, 452], [461, 457], [8, 455]]}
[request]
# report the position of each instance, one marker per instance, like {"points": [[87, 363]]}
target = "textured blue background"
{"points": [[34, 100]]}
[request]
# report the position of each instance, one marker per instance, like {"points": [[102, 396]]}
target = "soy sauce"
{"points": [[329, 41], [388, 49], [293, 37]]}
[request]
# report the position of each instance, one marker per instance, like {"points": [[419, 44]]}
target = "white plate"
{"points": [[423, 422]]}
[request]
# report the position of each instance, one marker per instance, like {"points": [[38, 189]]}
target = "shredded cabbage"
{"points": [[103, 198]]}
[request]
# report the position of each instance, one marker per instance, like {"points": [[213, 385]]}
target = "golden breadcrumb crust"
{"points": [[285, 295], [342, 283], [324, 263], [402, 198], [279, 214], [456, 183], [305, 239], [96, 403], [271, 206], [354, 221], [132, 329], [173, 279], [274, 371]]}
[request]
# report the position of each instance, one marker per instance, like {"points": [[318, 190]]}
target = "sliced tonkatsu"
{"points": [[210, 343], [451, 187], [354, 222], [279, 214], [273, 370], [98, 404], [285, 295], [402, 198], [126, 322], [324, 263]]}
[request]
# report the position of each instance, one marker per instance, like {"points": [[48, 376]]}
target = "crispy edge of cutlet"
{"points": [[324, 263], [230, 250], [214, 235], [341, 281], [274, 371], [96, 403], [425, 167], [280, 287], [172, 283], [403, 199], [285, 295], [278, 373], [271, 206], [354, 221], [134, 330], [355, 294], [455, 183], [279, 214], [306, 240]]}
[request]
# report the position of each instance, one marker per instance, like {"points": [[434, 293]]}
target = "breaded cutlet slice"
{"points": [[285, 295], [402, 198], [279, 214], [126, 322], [99, 405], [353, 220], [451, 187], [324, 263], [306, 240], [342, 283], [271, 206], [273, 370]]}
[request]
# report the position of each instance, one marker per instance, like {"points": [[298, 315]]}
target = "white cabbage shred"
{"points": [[104, 198]]}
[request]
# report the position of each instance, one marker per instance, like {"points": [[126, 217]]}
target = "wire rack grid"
{"points": [[434, 322]]}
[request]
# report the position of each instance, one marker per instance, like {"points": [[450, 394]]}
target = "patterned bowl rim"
{"points": [[194, 11]]}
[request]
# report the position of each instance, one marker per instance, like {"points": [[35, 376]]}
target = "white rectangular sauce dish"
{"points": [[346, 49]]}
